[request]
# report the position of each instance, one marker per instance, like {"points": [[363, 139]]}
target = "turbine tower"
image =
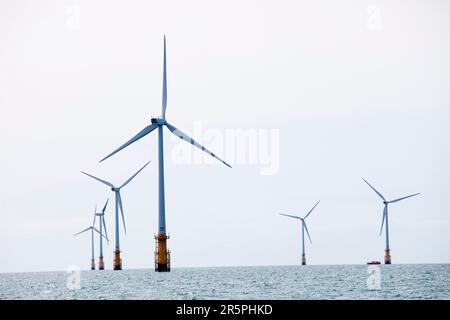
{"points": [[162, 255], [117, 263], [304, 228], [92, 228], [101, 215], [387, 257]]}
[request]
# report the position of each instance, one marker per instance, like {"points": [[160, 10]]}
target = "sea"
{"points": [[419, 281]]}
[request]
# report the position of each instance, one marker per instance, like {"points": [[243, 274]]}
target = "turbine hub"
{"points": [[385, 202], [115, 189], [159, 121]]}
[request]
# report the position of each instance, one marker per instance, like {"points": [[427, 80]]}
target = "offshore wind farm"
{"points": [[162, 253], [279, 105]]}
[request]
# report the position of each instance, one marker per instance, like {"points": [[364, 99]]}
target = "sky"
{"points": [[302, 98]]}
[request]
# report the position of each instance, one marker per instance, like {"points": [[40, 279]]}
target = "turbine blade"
{"points": [[164, 89], [104, 207], [399, 199], [134, 175], [384, 218], [141, 134], [104, 227], [311, 210], [307, 232], [183, 136], [121, 211], [381, 196], [95, 214], [98, 179], [89, 228], [287, 215], [95, 229]]}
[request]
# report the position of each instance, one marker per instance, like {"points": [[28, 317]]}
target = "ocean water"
{"points": [[431, 281]]}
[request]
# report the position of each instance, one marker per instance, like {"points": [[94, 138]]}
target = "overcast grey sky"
{"points": [[335, 90]]}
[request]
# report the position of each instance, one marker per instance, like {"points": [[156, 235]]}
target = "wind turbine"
{"points": [[387, 257], [304, 228], [117, 264], [92, 228], [101, 215], [162, 255]]}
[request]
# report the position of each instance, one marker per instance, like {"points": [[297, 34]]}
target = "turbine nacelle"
{"points": [[158, 121]]}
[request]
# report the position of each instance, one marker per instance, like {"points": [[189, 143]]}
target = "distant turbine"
{"points": [[101, 264], [387, 257], [162, 255], [92, 228], [304, 227], [117, 264]]}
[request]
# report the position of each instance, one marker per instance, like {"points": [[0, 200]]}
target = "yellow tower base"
{"points": [[117, 263], [387, 256], [92, 264], [101, 264], [162, 255], [303, 260]]}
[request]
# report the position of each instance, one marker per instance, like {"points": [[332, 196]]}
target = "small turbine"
{"points": [[101, 215], [387, 257], [304, 228], [117, 264], [92, 228]]}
